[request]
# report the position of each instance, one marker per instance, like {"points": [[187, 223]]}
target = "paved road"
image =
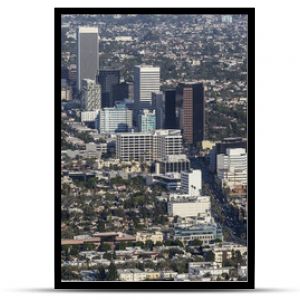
{"points": [[232, 225]]}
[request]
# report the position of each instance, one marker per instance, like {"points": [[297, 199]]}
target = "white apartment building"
{"points": [[148, 146], [134, 146], [232, 167], [191, 182], [91, 95], [115, 119], [190, 206], [166, 142]]}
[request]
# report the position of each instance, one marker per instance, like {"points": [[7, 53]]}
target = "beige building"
{"points": [[207, 145], [138, 275], [131, 275], [66, 93], [224, 251], [155, 237], [152, 275]]}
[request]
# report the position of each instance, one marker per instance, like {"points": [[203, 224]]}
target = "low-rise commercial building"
{"points": [[224, 251], [189, 206], [172, 164], [131, 275], [200, 269], [155, 237], [203, 232], [171, 181]]}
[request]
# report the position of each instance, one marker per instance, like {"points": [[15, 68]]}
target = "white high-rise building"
{"points": [[134, 146], [90, 95], [146, 82], [115, 119], [166, 142], [87, 54], [149, 146], [232, 167], [191, 182]]}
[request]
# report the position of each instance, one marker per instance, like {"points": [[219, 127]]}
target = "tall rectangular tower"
{"points": [[146, 82], [158, 104], [170, 109], [108, 78], [192, 98], [87, 54]]}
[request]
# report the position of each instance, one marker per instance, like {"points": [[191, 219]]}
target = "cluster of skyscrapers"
{"points": [[139, 111], [114, 106]]}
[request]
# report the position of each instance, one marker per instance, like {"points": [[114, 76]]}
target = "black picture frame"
{"points": [[152, 285]]}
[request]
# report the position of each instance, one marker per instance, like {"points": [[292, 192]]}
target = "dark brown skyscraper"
{"points": [[192, 117]]}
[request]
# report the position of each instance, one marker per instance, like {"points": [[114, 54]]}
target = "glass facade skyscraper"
{"points": [[108, 78]]}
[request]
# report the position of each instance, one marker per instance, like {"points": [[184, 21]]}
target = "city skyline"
{"points": [[154, 151]]}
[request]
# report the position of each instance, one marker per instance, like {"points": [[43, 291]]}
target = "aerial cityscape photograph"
{"points": [[154, 148]]}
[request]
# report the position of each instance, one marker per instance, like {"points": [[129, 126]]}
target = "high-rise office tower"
{"points": [[192, 123], [146, 82], [158, 104], [108, 77], [87, 54], [122, 91], [90, 95], [170, 109]]}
